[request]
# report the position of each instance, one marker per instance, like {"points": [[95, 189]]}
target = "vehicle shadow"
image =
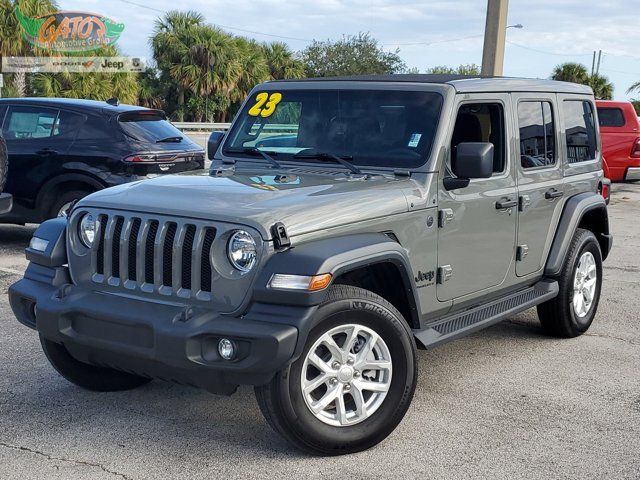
{"points": [[165, 421], [16, 236]]}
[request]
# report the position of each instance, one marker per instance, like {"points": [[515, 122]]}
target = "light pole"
{"points": [[494, 37]]}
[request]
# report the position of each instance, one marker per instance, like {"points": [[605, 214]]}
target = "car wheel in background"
{"points": [[61, 203]]}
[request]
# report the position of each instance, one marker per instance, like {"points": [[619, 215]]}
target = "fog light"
{"points": [[227, 349]]}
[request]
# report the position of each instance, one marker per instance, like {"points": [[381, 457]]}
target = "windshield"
{"points": [[376, 128], [148, 127]]}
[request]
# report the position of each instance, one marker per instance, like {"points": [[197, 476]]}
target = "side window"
{"points": [[3, 110], [610, 117], [67, 125], [26, 122], [95, 128], [481, 122], [537, 134], [580, 131]]}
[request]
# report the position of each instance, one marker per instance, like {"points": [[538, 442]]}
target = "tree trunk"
{"points": [[20, 83], [180, 104]]}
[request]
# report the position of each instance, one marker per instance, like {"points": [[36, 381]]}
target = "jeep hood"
{"points": [[303, 202]]}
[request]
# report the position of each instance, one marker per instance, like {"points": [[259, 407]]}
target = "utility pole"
{"points": [[495, 32], [593, 63], [598, 64]]}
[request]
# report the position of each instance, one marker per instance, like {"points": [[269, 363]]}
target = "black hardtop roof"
{"points": [[95, 105], [462, 83]]}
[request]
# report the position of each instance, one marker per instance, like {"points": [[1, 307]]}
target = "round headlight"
{"points": [[87, 229], [241, 251]]}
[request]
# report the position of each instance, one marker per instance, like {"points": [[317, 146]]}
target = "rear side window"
{"points": [[149, 127], [95, 128], [537, 134], [580, 130], [610, 117], [26, 122], [67, 125]]}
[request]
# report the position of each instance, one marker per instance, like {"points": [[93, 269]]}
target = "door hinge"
{"points": [[444, 216], [521, 252], [525, 202], [445, 273]]}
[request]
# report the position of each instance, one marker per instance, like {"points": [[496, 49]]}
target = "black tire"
{"points": [[282, 402], [558, 316], [4, 163], [89, 377], [61, 200]]}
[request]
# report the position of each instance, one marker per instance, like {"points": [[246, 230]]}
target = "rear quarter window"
{"points": [[580, 130], [610, 117]]}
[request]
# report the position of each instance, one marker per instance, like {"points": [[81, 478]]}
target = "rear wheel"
{"points": [[354, 381], [571, 313], [62, 202], [90, 377]]}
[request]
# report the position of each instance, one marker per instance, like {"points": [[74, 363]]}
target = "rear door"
{"points": [[540, 185], [37, 145]]}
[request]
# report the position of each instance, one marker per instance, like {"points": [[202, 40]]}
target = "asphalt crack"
{"points": [[68, 460], [611, 337]]}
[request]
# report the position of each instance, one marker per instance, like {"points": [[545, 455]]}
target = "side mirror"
{"points": [[474, 160], [215, 139]]}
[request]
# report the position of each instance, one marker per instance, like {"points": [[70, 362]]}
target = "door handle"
{"points": [[46, 151], [504, 204], [553, 193]]}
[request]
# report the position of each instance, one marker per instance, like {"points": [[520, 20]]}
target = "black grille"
{"points": [[205, 272], [149, 250], [115, 248], [189, 237], [162, 256], [133, 248], [167, 255], [100, 252]]}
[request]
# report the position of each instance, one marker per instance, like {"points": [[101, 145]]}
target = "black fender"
{"points": [[49, 186], [336, 255], [587, 208]]}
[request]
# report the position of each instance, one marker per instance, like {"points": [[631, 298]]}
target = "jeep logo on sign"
{"points": [[69, 31]]}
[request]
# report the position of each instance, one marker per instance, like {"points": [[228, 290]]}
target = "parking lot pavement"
{"points": [[504, 403]]}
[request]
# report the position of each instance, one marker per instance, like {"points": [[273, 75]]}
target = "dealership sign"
{"points": [[69, 31]]}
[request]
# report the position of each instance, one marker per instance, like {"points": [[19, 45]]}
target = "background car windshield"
{"points": [[377, 128], [149, 127]]}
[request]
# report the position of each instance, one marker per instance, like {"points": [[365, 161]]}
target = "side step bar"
{"points": [[482, 316]]}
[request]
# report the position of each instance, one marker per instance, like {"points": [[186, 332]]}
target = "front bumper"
{"points": [[633, 173], [166, 341]]}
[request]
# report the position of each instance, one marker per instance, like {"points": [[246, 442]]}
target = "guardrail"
{"points": [[201, 126]]}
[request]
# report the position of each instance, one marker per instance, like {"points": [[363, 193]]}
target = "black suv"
{"points": [[60, 150]]}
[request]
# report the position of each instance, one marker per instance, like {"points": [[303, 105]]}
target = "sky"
{"points": [[427, 33]]}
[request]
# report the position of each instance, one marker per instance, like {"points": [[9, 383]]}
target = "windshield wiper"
{"points": [[330, 156], [256, 152], [174, 139]]}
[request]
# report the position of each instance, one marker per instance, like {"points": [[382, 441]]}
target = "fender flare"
{"points": [[336, 255], [574, 211]]}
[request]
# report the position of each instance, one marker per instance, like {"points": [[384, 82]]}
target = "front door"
{"points": [[540, 185], [476, 238]]}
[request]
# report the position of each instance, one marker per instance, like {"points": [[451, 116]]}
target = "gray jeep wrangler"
{"points": [[344, 223]]}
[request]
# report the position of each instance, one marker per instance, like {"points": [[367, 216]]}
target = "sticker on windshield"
{"points": [[265, 104], [414, 140]]}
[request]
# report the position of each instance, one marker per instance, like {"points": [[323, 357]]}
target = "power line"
{"points": [[228, 27], [549, 53], [434, 42]]}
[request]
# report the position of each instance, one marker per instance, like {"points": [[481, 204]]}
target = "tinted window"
{"points": [[537, 134], [481, 122], [580, 131], [67, 125], [29, 122], [378, 128], [3, 110], [95, 128], [149, 127], [610, 117]]}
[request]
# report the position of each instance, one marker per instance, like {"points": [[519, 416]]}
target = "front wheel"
{"points": [[571, 313], [354, 381]]}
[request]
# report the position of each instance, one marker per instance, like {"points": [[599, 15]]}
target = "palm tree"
{"points": [[282, 62], [571, 72], [170, 42], [253, 67], [12, 41], [601, 86], [635, 86]]}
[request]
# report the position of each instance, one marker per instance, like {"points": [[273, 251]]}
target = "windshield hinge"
{"points": [[280, 236]]}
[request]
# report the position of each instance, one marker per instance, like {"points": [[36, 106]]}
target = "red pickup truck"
{"points": [[620, 136]]}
